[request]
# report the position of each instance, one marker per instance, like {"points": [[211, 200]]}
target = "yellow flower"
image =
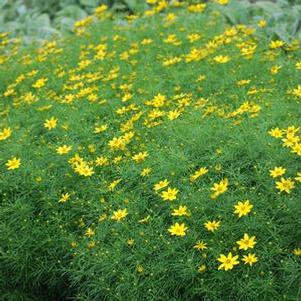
{"points": [[84, 169], [64, 197], [161, 184], [170, 17], [146, 171], [40, 83], [140, 157], [275, 69], [196, 8], [100, 129], [202, 268], [117, 143], [296, 149], [119, 214], [63, 149], [227, 262], [102, 161], [276, 133], [297, 251], [243, 208], [200, 245], [158, 101], [117, 159], [221, 59], [298, 65], [246, 242], [170, 194], [277, 171], [201, 78], [91, 244], [50, 123], [219, 188], [91, 148], [13, 163], [198, 173], [178, 229], [285, 185], [76, 159], [73, 244], [100, 10], [130, 241], [276, 44], [212, 226], [144, 220], [250, 259], [102, 217], [89, 232], [291, 130], [5, 133], [140, 269], [297, 91], [298, 178], [173, 114], [192, 38], [222, 2], [262, 23], [243, 82], [113, 184], [290, 140], [182, 210], [146, 41]]}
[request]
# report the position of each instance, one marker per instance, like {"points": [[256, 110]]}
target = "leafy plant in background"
{"points": [[39, 20], [283, 18]]}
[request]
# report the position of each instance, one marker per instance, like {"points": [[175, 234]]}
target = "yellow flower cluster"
{"points": [[145, 122], [291, 140]]}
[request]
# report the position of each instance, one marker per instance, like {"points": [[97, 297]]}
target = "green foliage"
{"points": [[215, 114], [36, 20], [283, 18]]}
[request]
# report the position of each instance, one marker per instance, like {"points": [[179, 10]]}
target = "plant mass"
{"points": [[155, 157]]}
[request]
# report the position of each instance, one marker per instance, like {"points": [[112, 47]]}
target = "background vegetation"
{"points": [[189, 88], [38, 20]]}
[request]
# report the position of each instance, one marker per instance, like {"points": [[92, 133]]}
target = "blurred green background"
{"points": [[36, 20], [41, 19]]}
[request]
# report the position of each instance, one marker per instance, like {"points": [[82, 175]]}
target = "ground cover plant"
{"points": [[151, 158]]}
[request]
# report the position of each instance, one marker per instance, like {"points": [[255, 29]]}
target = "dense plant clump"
{"points": [[151, 159]]}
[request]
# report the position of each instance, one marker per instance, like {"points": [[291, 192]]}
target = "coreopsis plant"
{"points": [[154, 156]]}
